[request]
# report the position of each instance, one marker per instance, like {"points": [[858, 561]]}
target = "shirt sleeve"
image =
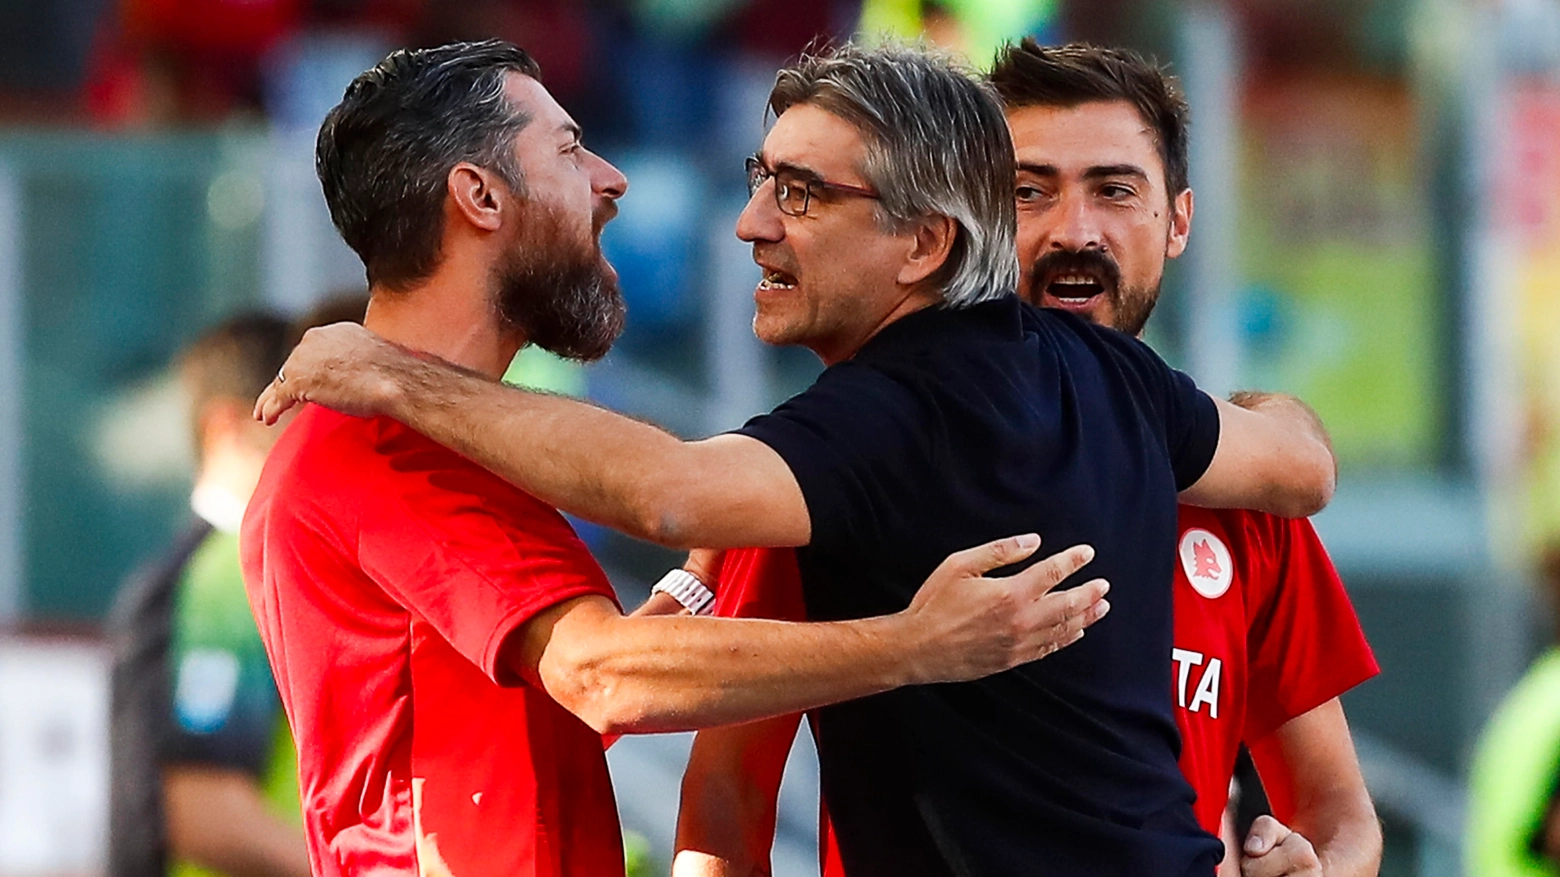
{"points": [[760, 583], [1189, 416], [848, 440], [1305, 643], [472, 555]]}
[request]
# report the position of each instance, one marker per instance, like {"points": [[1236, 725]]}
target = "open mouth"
{"points": [[1075, 288], [774, 279]]}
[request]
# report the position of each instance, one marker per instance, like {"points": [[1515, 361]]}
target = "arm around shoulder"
{"points": [[1273, 455]]}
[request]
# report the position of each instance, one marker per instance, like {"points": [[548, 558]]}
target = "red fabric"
{"points": [[1283, 632], [385, 572]]}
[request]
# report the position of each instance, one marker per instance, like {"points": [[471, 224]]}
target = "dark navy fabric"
{"points": [[950, 428]]}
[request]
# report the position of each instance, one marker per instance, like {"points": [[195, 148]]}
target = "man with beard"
{"points": [[882, 215], [1265, 636], [447, 652]]}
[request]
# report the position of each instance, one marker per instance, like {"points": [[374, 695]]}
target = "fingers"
{"points": [[274, 401], [984, 558], [1273, 850], [1050, 572], [1074, 611], [1266, 833]]}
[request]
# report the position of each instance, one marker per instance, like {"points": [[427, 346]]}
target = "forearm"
{"points": [[1316, 788], [722, 671], [1273, 456], [1344, 831], [585, 460], [218, 819], [726, 821]]}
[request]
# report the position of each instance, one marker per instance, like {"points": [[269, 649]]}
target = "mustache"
{"points": [[1095, 263]]}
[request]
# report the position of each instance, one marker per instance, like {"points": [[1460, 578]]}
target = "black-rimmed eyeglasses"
{"points": [[793, 190]]}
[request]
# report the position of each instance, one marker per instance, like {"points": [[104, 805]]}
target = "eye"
{"points": [[1116, 191], [1029, 195]]}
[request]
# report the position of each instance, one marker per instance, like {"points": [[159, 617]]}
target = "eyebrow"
{"points": [[1101, 171], [572, 129], [806, 173]]}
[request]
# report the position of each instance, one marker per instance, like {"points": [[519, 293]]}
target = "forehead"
{"points": [[809, 137], [1095, 134], [533, 99]]}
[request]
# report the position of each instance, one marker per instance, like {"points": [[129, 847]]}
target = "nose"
{"points": [[607, 180], [761, 219], [1077, 226]]}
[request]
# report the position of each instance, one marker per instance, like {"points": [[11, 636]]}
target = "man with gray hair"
{"points": [[881, 213]]}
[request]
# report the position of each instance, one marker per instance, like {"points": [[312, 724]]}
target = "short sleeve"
{"points": [[848, 439], [1189, 416], [470, 554], [760, 583], [1305, 643], [1191, 428]]}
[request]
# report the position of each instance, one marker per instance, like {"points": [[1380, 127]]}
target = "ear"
{"points": [[930, 244], [478, 195], [1180, 224]]}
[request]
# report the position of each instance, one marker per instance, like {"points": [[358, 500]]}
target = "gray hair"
{"points": [[937, 143]]}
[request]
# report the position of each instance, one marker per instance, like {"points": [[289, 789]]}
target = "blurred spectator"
{"points": [[203, 773], [161, 62], [1513, 808]]}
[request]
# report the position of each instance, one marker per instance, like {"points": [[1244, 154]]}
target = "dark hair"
{"points": [[1030, 74], [385, 151], [235, 359], [936, 144]]}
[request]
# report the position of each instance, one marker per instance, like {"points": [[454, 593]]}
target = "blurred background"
{"points": [[1377, 230]]}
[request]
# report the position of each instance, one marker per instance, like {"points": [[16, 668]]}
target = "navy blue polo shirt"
{"points": [[948, 429]]}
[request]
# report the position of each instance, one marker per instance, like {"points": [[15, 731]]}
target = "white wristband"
{"points": [[685, 588]]}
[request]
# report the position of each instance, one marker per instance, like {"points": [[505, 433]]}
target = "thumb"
{"points": [[1266, 833]]}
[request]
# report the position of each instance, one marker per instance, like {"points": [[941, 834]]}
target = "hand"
{"points": [[342, 366], [1273, 850], [972, 626], [705, 563]]}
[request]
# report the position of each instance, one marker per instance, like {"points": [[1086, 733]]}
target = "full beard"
{"points": [[562, 296], [1130, 306]]}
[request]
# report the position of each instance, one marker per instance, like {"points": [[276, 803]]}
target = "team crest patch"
{"points": [[1206, 561]]}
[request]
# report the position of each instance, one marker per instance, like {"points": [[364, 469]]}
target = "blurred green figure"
{"points": [[1513, 818]]}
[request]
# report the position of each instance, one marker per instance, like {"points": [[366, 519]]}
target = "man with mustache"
{"points": [[447, 651], [882, 215], [1265, 637]]}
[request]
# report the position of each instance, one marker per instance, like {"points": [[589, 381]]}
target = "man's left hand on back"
{"points": [[1273, 850]]}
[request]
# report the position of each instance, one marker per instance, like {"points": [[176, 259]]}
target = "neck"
{"points": [[441, 316], [913, 300], [228, 475]]}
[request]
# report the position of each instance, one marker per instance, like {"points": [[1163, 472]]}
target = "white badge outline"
{"points": [[1221, 553]]}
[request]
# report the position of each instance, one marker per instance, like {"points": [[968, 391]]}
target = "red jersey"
{"points": [[385, 572], [1264, 632]]}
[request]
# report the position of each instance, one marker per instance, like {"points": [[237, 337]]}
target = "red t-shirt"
{"points": [[385, 572], [1264, 632]]}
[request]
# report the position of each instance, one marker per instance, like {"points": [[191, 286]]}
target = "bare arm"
{"points": [[724, 492], [726, 823], [218, 819], [1329, 809], [1274, 456], [641, 674]]}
